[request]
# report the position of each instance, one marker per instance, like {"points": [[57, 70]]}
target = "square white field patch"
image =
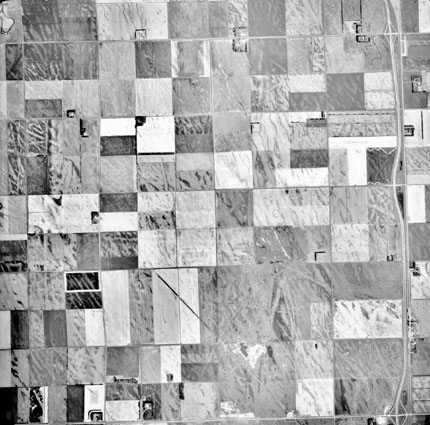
{"points": [[376, 81], [5, 368], [424, 15], [157, 248], [122, 410], [301, 177], [117, 127], [420, 120], [357, 166], [63, 213], [94, 328], [195, 210], [94, 396], [5, 330], [44, 89], [233, 170], [367, 319], [381, 99], [416, 204], [156, 135], [189, 292], [200, 401], [350, 242], [196, 248], [119, 221], [77, 213], [190, 58], [170, 363], [310, 83], [129, 16], [315, 397], [379, 90], [154, 97], [3, 99], [420, 284]]}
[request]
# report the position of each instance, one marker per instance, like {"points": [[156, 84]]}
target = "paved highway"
{"points": [[394, 37]]}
